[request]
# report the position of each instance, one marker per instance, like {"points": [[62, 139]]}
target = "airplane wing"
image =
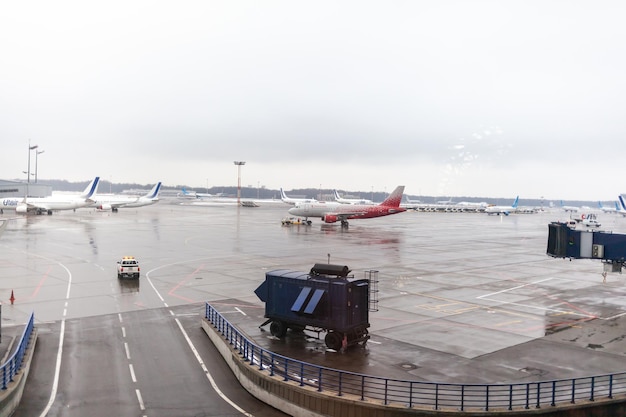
{"points": [[119, 204], [26, 206], [35, 206]]}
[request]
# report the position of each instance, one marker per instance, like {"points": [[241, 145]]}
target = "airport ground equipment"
{"points": [[326, 299], [128, 267], [567, 242]]}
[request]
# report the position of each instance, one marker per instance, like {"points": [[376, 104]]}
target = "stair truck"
{"points": [[326, 299]]}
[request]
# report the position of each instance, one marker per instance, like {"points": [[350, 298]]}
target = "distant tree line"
{"points": [[323, 194]]}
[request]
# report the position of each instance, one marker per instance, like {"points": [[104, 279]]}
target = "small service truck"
{"points": [[128, 267]]}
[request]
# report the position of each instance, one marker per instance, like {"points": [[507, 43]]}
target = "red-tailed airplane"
{"points": [[331, 212]]}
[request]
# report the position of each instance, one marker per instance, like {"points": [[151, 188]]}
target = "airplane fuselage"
{"points": [[347, 211], [10, 203], [331, 212], [59, 203]]}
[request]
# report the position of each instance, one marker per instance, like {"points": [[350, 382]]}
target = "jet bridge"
{"points": [[566, 242]]}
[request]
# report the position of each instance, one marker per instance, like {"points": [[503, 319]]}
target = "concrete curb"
{"points": [[11, 397], [294, 399]]}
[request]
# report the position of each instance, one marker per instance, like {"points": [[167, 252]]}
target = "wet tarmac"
{"points": [[463, 297]]}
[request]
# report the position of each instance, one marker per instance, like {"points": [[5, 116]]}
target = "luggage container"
{"points": [[325, 299]]}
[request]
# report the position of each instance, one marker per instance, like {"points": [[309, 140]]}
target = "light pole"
{"points": [[239, 164], [36, 161], [30, 148]]}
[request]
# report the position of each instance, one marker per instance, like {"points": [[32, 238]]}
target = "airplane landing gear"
{"points": [[344, 224]]}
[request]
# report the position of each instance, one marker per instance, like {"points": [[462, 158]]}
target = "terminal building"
{"points": [[22, 188]]}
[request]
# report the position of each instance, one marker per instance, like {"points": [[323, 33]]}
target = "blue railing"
{"points": [[415, 394], [12, 366]]}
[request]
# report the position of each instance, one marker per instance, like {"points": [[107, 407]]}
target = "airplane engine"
{"points": [[330, 218], [104, 207], [21, 208]]}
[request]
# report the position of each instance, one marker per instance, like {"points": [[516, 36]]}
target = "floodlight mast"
{"points": [[30, 148], [239, 164], [37, 153]]}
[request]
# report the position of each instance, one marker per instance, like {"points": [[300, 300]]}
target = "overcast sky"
{"points": [[449, 98]]}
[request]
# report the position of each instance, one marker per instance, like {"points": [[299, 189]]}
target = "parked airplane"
{"points": [[410, 204], [506, 210], [113, 201], [293, 201], [193, 194], [342, 200], [615, 209], [571, 209], [52, 203], [331, 212]]}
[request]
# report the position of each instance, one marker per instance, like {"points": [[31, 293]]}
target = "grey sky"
{"points": [[451, 98]]}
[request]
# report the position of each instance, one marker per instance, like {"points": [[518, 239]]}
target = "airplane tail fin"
{"points": [[185, 192], [394, 199], [154, 193], [91, 189], [621, 201], [282, 194], [337, 198], [515, 202]]}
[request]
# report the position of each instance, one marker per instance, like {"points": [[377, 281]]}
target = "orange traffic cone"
{"points": [[12, 297]]}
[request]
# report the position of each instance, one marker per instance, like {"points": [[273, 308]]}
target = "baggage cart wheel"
{"points": [[278, 329], [333, 340]]}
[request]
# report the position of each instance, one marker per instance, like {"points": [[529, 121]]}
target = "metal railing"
{"points": [[424, 395], [13, 365]]}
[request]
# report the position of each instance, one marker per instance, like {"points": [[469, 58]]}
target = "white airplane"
{"points": [[473, 205], [506, 210], [52, 203], [410, 204], [193, 194], [604, 209], [114, 201], [571, 209], [331, 212], [342, 200], [293, 201]]}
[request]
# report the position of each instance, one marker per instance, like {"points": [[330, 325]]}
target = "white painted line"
{"points": [[57, 368], [239, 310], [132, 372], [127, 351], [124, 332], [513, 288], [531, 307], [141, 405], [154, 288], [119, 317], [613, 317], [208, 374], [57, 371]]}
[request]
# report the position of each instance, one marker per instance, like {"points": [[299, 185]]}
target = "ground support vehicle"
{"points": [[325, 299], [128, 267], [297, 221]]}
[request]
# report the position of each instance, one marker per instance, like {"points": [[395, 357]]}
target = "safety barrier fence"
{"points": [[13, 365], [423, 395]]}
